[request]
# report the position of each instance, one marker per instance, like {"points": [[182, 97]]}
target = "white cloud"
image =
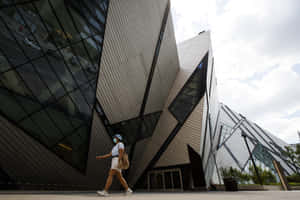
{"points": [[256, 48], [190, 17]]}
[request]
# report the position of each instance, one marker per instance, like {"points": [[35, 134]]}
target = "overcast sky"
{"points": [[256, 46]]}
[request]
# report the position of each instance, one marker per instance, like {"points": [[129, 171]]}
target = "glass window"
{"points": [[20, 33], [168, 180], [12, 81], [89, 94], [34, 82], [4, 65], [48, 127], [79, 21], [80, 101], [81, 10], [61, 120], [93, 51], [85, 61], [191, 93], [74, 148], [49, 77], [72, 142], [35, 131], [66, 28], [137, 128], [58, 65], [15, 111], [68, 107], [9, 48], [49, 61], [92, 19], [96, 9], [176, 179], [55, 34], [29, 104], [73, 62]]}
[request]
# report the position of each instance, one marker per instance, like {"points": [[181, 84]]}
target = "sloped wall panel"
{"points": [[166, 70], [131, 34]]}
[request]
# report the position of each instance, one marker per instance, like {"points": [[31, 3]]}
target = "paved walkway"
{"points": [[262, 195]]}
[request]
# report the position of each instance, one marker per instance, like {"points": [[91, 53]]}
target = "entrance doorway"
{"points": [[165, 180]]}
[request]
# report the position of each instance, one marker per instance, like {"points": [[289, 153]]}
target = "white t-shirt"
{"points": [[115, 149]]}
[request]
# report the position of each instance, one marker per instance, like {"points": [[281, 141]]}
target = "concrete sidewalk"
{"points": [[253, 195]]}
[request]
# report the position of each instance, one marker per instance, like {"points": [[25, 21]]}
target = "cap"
{"points": [[118, 136]]}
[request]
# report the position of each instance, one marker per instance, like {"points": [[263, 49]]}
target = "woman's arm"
{"points": [[104, 156]]}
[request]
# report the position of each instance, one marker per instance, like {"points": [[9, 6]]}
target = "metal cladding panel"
{"points": [[186, 69], [131, 34], [205, 125], [28, 162], [190, 54], [140, 149], [100, 144], [163, 129], [189, 134], [192, 51], [165, 72]]}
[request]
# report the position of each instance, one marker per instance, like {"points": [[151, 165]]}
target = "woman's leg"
{"points": [[122, 180], [109, 179]]}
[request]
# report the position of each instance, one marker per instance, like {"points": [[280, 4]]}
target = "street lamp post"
{"points": [[244, 135]]}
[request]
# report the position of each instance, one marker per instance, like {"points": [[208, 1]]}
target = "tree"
{"points": [[298, 154], [235, 173], [293, 156], [267, 177]]}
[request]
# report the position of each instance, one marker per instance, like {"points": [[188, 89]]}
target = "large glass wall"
{"points": [[49, 62]]}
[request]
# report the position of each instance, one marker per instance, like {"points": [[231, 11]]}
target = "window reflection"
{"points": [[138, 128], [49, 61]]}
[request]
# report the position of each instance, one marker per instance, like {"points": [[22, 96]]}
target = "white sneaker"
{"points": [[102, 193], [129, 191]]}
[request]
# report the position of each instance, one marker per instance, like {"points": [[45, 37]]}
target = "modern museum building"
{"points": [[73, 73]]}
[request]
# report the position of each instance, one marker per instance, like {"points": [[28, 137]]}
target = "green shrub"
{"points": [[267, 177], [235, 173], [294, 178]]}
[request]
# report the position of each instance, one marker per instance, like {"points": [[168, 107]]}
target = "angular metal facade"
{"points": [[186, 121], [73, 73]]}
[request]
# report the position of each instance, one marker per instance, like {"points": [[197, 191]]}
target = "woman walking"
{"points": [[116, 154]]}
